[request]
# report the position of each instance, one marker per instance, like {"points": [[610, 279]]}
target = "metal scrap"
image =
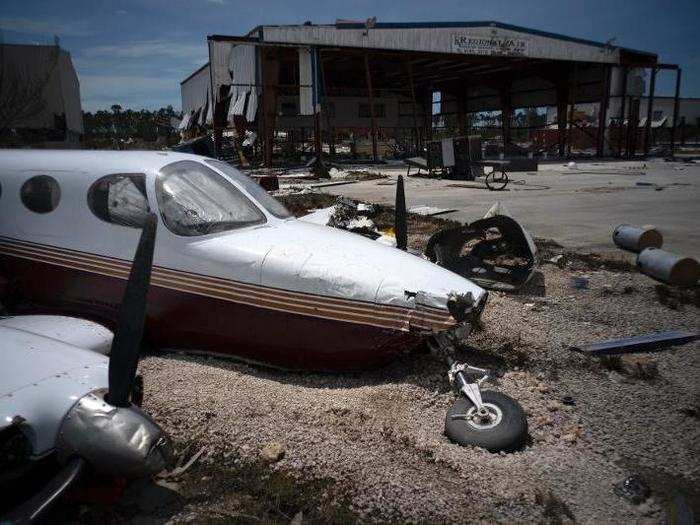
{"points": [[495, 252], [642, 343]]}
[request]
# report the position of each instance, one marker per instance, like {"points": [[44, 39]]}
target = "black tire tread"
{"points": [[509, 435]]}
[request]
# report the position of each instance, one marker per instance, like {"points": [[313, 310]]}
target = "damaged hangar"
{"points": [[282, 94]]}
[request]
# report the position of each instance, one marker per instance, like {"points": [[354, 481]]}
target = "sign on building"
{"points": [[491, 46]]}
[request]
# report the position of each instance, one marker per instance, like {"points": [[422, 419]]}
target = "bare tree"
{"points": [[22, 87]]}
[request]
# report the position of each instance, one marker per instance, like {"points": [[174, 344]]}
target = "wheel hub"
{"points": [[488, 416]]}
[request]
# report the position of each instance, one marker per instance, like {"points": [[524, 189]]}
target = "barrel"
{"points": [[668, 267], [637, 238]]}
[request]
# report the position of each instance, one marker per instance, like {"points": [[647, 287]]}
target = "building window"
{"points": [[657, 114], [379, 111], [120, 199], [41, 194], [195, 200]]}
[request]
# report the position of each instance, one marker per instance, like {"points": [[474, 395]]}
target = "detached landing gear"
{"points": [[486, 419]]}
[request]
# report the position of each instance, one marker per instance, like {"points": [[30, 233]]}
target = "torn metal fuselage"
{"points": [[495, 252]]}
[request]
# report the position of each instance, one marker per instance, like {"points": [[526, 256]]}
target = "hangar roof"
{"points": [[485, 38]]}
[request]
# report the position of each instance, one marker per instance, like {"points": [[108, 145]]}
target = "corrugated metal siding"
{"points": [[437, 40], [29, 64], [194, 91], [220, 59]]}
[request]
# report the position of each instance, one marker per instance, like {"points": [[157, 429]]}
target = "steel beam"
{"points": [[371, 108], [650, 111], [603, 112], [623, 100], [675, 112], [572, 103]]}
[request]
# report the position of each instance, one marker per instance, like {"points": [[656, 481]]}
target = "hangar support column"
{"points": [[675, 112], [562, 105], [506, 117], [603, 112], [621, 117], [370, 99]]}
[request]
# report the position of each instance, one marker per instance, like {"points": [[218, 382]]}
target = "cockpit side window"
{"points": [[195, 200], [40, 194], [263, 198], [120, 199]]}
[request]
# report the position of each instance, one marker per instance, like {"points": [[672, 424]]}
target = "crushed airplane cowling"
{"points": [[495, 252]]}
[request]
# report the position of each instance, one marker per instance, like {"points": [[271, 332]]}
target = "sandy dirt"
{"points": [[280, 447], [369, 446]]}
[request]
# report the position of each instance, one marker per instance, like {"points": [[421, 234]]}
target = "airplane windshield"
{"points": [[195, 200], [263, 198]]}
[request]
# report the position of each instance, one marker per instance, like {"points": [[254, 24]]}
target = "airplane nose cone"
{"points": [[327, 261]]}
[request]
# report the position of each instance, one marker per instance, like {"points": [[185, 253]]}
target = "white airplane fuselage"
{"points": [[278, 291]]}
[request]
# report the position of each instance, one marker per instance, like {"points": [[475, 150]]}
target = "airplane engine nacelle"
{"points": [[115, 441]]}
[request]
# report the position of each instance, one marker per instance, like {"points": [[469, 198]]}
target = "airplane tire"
{"points": [[505, 431]]}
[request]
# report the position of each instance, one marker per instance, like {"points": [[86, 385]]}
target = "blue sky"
{"points": [[135, 53]]}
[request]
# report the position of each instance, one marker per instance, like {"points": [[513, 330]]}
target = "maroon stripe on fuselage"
{"points": [[181, 320], [333, 308]]}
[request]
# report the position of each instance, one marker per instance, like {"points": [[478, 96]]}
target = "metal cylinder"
{"points": [[668, 267], [637, 238]]}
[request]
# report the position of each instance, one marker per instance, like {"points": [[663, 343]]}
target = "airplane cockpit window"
{"points": [[263, 198], [120, 199], [195, 200], [41, 194]]}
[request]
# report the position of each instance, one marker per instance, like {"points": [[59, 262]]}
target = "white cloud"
{"points": [[220, 2], [46, 27], [150, 49]]}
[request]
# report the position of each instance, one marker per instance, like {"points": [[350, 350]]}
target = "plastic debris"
{"points": [[633, 488]]}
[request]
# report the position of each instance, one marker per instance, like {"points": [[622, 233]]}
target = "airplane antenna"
{"points": [[124, 354], [400, 225]]}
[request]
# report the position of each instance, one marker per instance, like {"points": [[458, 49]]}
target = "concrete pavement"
{"points": [[578, 207]]}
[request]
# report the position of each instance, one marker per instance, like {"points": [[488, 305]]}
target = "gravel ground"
{"points": [[369, 446]]}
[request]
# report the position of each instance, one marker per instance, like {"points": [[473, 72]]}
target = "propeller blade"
{"points": [[400, 224], [124, 355]]}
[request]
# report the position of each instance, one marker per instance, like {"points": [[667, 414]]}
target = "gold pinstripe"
{"points": [[338, 309]]}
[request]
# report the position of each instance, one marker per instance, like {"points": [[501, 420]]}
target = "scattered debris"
{"points": [[579, 283], [633, 489], [332, 183], [568, 401], [558, 260], [272, 452], [351, 216], [430, 210], [496, 252], [636, 238], [643, 343], [668, 267], [178, 471]]}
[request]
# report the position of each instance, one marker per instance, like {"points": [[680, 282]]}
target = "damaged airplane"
{"points": [[66, 409], [234, 273]]}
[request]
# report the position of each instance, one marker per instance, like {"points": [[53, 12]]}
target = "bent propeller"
{"points": [[400, 225], [124, 354]]}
